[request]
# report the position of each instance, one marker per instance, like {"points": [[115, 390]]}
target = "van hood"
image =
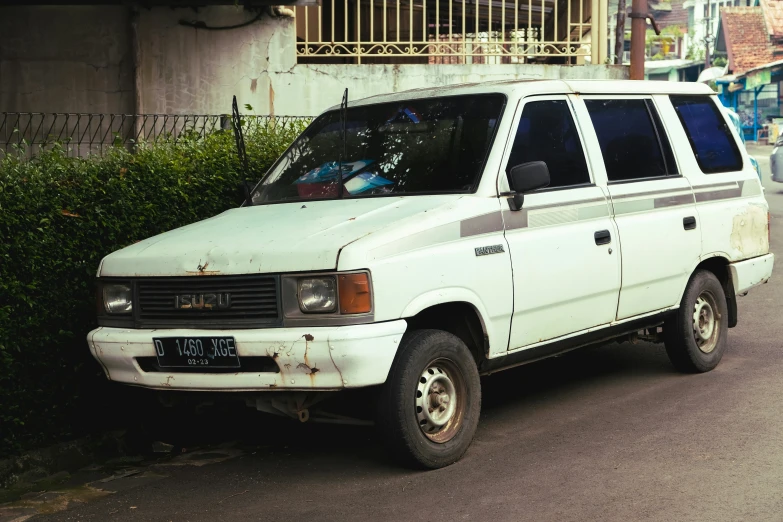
{"points": [[289, 237]]}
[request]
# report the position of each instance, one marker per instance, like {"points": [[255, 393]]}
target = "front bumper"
{"points": [[329, 358]]}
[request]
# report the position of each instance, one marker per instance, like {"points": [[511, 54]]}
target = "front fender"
{"points": [[498, 337]]}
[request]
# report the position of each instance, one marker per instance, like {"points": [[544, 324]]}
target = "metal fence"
{"points": [[450, 31], [26, 133]]}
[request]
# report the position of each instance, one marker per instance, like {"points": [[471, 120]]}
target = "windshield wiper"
{"points": [[236, 122], [343, 122]]}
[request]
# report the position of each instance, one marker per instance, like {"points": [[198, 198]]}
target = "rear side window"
{"points": [[632, 145], [709, 134]]}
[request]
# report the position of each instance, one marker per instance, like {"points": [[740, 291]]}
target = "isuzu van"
{"points": [[409, 243]]}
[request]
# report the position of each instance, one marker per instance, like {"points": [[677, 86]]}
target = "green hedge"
{"points": [[58, 217]]}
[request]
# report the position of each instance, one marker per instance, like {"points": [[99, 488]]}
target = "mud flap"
{"points": [[731, 303]]}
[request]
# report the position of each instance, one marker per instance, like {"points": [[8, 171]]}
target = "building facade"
{"points": [[283, 60], [751, 40]]}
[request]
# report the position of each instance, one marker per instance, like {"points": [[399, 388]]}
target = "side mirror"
{"points": [[526, 178]]}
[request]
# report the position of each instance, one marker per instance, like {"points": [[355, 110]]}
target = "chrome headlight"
{"points": [[117, 299], [318, 294]]}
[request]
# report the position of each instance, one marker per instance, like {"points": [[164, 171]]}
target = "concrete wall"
{"points": [[187, 70], [55, 59], [314, 88], [258, 64], [83, 62]]}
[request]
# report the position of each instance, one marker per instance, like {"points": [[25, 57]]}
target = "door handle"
{"points": [[689, 223], [602, 237]]}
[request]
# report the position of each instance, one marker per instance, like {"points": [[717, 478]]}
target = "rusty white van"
{"points": [[407, 244]]}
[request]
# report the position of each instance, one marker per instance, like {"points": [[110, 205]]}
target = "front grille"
{"points": [[254, 301]]}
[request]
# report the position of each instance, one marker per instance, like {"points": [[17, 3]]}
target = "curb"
{"points": [[70, 456]]}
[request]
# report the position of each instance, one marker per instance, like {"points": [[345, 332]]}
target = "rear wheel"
{"points": [[429, 406], [696, 336]]}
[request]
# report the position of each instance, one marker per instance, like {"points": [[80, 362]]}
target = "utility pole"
{"points": [[707, 35], [619, 36], [639, 17], [638, 30]]}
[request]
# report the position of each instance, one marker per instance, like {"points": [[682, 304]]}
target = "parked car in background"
{"points": [[734, 117], [411, 242], [776, 160]]}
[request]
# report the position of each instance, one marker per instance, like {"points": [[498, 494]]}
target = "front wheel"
{"points": [[429, 406], [695, 337]]}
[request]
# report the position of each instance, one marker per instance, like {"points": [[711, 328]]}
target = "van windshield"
{"points": [[425, 146]]}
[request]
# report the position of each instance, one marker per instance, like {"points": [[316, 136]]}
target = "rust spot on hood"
{"points": [[202, 270], [309, 337]]}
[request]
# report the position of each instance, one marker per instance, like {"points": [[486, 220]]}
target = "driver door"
{"points": [[563, 243]]}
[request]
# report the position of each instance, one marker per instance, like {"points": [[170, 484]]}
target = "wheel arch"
{"points": [[460, 318], [718, 264]]}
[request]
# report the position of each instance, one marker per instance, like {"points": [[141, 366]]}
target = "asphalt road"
{"points": [[612, 433]]}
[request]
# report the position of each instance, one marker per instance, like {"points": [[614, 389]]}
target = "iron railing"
{"points": [[451, 31], [27, 133]]}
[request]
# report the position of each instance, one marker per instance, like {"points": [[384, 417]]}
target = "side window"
{"points": [[709, 134], [633, 143], [547, 133]]}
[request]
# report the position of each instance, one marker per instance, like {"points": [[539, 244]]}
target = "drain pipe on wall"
{"points": [[639, 17]]}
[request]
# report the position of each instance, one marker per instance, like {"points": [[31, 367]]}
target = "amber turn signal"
{"points": [[354, 292]]}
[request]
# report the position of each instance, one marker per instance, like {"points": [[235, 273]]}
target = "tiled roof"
{"points": [[660, 6], [666, 12], [678, 15], [773, 14], [747, 39]]}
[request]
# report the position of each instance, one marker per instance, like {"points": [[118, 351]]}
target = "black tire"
{"points": [[402, 423], [684, 337]]}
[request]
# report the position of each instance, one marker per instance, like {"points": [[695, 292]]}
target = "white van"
{"points": [[473, 228]]}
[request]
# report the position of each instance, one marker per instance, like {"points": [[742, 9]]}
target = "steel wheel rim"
{"points": [[706, 322], [440, 400]]}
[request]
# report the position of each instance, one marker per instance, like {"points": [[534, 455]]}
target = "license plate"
{"points": [[191, 352]]}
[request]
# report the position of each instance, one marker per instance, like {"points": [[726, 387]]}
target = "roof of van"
{"points": [[526, 87]]}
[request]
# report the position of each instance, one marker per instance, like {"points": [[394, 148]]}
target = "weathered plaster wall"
{"points": [[187, 70], [313, 88], [81, 60], [57, 59], [258, 64]]}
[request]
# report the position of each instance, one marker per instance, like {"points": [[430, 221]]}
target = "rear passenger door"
{"points": [[728, 193], [653, 205]]}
